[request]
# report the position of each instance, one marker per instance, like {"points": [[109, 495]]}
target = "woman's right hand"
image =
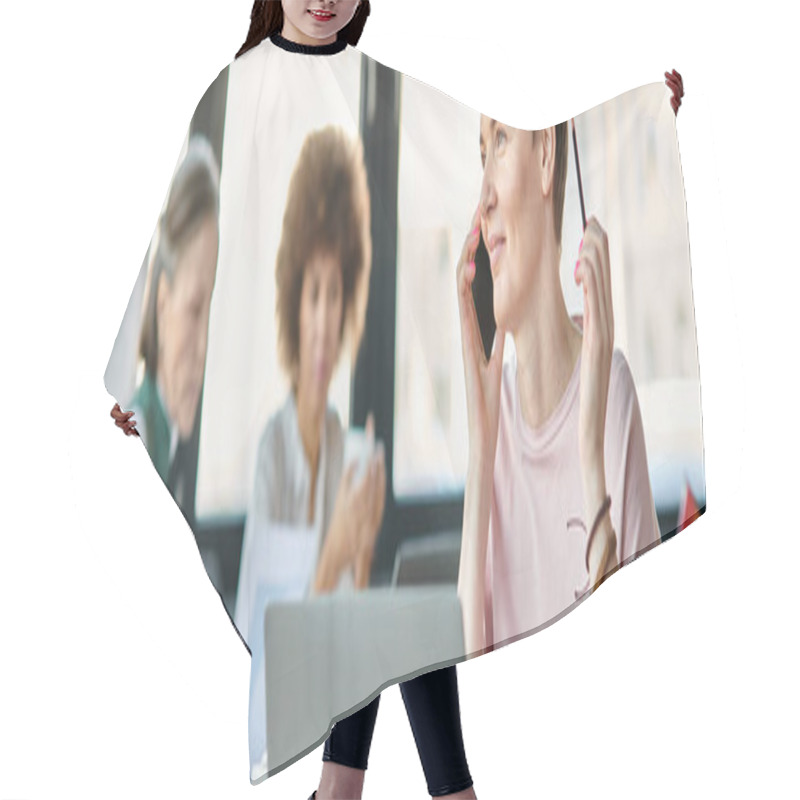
{"points": [[483, 383], [124, 420], [356, 519], [482, 378]]}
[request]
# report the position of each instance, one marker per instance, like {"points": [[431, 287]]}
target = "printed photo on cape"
{"points": [[294, 355]]}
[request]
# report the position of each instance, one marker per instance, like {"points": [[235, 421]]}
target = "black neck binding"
{"points": [[309, 49]]}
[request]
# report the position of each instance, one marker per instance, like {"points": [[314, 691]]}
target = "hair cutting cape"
{"points": [[302, 275]]}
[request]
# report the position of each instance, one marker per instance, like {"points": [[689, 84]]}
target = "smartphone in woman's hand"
{"points": [[483, 297]]}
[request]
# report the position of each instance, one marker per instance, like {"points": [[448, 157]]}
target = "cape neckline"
{"points": [[309, 49]]}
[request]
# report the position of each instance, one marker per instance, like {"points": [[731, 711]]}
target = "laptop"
{"points": [[328, 656]]}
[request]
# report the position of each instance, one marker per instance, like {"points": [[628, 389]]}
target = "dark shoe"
{"points": [[313, 795]]}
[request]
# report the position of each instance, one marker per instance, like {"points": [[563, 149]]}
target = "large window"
{"points": [[439, 188], [422, 154], [243, 390]]}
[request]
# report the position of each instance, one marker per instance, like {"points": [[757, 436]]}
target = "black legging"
{"points": [[432, 706]]}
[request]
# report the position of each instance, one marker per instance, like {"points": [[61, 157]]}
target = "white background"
{"points": [[120, 674]]}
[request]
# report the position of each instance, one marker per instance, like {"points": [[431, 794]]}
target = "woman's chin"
{"points": [[318, 391]]}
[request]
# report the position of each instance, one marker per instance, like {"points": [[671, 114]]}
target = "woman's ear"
{"points": [[547, 139]]}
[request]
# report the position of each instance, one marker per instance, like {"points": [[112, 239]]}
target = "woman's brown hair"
{"points": [[266, 18], [193, 196], [327, 211]]}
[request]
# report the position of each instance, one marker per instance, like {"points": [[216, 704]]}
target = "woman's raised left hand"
{"points": [[593, 273]]}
